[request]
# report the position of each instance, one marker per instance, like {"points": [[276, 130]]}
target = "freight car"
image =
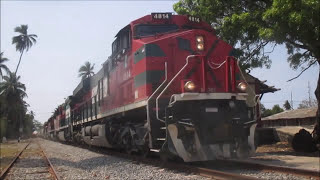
{"points": [[169, 86]]}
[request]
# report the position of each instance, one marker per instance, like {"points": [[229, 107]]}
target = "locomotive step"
{"points": [[155, 150]]}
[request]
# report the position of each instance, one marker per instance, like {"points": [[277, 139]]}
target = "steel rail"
{"points": [[210, 173], [53, 171], [6, 170], [276, 168]]}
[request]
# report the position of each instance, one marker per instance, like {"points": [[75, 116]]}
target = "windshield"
{"points": [[150, 30]]}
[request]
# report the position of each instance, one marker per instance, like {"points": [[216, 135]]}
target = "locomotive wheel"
{"points": [[128, 145], [145, 152], [128, 150]]}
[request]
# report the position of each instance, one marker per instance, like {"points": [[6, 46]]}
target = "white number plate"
{"points": [[211, 109], [194, 19], [161, 15]]}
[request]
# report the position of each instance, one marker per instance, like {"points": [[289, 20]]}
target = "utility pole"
{"points": [[309, 89], [291, 101]]}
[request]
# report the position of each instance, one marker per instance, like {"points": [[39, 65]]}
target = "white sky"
{"points": [[72, 32]]}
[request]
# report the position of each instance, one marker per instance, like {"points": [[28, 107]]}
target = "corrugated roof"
{"points": [[293, 114], [264, 88]]}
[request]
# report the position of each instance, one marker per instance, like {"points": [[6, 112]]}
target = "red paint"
{"points": [[233, 74], [204, 72], [227, 73]]}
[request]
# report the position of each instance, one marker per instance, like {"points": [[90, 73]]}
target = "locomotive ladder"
{"points": [[163, 140], [148, 111]]}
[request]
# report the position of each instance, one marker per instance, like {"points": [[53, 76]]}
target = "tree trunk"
{"points": [[317, 94], [18, 63]]}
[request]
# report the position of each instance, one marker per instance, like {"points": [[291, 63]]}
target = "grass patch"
{"points": [[8, 153]]}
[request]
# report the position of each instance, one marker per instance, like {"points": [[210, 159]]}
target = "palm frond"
{"points": [[2, 65], [3, 59], [23, 41], [23, 29], [86, 70]]}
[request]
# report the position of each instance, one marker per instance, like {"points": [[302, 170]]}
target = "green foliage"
{"points": [[28, 125], [3, 127], [37, 125], [287, 105], [86, 70], [13, 107], [12, 89], [275, 110], [2, 65], [251, 25]]}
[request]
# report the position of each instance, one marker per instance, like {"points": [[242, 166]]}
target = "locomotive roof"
{"points": [[174, 19], [127, 27]]}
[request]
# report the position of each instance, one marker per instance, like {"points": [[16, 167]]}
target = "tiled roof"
{"points": [[293, 114]]}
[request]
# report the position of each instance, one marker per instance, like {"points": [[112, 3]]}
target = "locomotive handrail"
{"points": [[157, 100], [256, 101], [165, 80]]}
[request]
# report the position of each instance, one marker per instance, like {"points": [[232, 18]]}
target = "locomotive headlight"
{"points": [[200, 47], [189, 86], [242, 86], [199, 39], [200, 43]]}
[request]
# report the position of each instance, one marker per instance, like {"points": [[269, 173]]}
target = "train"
{"points": [[170, 86]]}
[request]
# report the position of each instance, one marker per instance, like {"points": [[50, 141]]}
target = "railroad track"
{"points": [[238, 168], [207, 172], [31, 160], [216, 173]]}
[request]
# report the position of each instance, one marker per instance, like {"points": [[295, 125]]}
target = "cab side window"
{"points": [[122, 41]]}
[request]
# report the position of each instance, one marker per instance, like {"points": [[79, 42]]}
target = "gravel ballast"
{"points": [[71, 162], [30, 165]]}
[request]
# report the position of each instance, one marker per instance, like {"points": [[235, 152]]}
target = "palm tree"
{"points": [[2, 65], [23, 41], [11, 87], [86, 70], [13, 92]]}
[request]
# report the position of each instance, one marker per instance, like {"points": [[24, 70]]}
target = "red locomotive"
{"points": [[169, 86]]}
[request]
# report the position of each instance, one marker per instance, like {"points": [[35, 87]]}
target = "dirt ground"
{"points": [[282, 154], [8, 151], [274, 155], [283, 148]]}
